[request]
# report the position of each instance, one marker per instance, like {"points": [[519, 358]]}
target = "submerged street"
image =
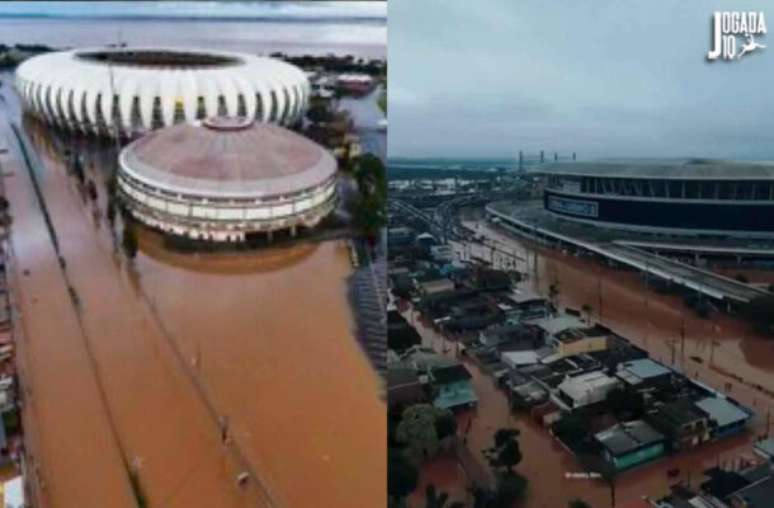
{"points": [[174, 348]]}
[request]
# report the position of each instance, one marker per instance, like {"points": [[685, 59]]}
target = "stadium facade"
{"points": [[227, 180], [129, 91], [687, 197]]}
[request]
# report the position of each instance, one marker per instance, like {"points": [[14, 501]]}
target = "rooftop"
{"points": [[234, 157], [664, 168], [450, 374], [636, 371], [629, 436], [757, 495], [578, 386], [722, 411], [766, 448], [554, 325]]}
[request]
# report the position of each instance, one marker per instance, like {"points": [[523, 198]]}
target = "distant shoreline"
{"points": [[373, 20]]}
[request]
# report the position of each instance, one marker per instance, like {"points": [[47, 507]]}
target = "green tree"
{"points": [[445, 425], [417, 431], [371, 175], [402, 477], [505, 452]]}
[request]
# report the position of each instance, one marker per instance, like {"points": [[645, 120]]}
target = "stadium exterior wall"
{"points": [[76, 91], [666, 216]]}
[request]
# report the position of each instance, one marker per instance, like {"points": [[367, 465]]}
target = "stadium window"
{"points": [[115, 111], [258, 107], [724, 190], [762, 190], [135, 115], [157, 120], [201, 108], [691, 189], [274, 107], [241, 106], [179, 115], [286, 112], [71, 107]]}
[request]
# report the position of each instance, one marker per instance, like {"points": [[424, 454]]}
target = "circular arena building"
{"points": [[227, 179], [129, 91], [686, 197]]}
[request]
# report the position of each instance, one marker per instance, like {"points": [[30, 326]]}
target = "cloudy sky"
{"points": [[242, 10], [603, 78]]}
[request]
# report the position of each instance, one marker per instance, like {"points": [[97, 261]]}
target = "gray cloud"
{"points": [[603, 78]]}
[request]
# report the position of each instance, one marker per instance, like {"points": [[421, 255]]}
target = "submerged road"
{"points": [[163, 428], [75, 452]]}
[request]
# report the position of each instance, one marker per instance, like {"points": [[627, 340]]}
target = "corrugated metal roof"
{"points": [[722, 411]]}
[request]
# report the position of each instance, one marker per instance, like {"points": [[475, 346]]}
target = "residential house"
{"points": [[452, 387], [630, 444], [574, 341], [726, 417], [682, 422], [404, 387], [585, 389], [644, 373]]}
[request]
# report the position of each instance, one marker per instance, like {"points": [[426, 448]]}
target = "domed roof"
{"points": [[228, 157]]}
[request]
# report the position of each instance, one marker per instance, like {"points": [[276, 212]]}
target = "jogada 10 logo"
{"points": [[734, 34]]}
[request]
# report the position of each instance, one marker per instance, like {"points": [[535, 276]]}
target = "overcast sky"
{"points": [[603, 78], [230, 9]]}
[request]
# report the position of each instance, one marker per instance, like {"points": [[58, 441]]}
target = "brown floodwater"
{"points": [[651, 320], [73, 448], [261, 343], [545, 463]]}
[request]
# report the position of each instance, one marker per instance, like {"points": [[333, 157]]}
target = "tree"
{"points": [[402, 476], [506, 452], [417, 431], [445, 425], [371, 176]]}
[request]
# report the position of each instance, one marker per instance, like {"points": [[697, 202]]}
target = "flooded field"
{"points": [[210, 365]]}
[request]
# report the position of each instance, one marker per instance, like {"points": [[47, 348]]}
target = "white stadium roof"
{"points": [[158, 87]]}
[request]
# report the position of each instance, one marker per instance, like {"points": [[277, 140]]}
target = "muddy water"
{"points": [[652, 320], [164, 427], [275, 348], [260, 343], [74, 450]]}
